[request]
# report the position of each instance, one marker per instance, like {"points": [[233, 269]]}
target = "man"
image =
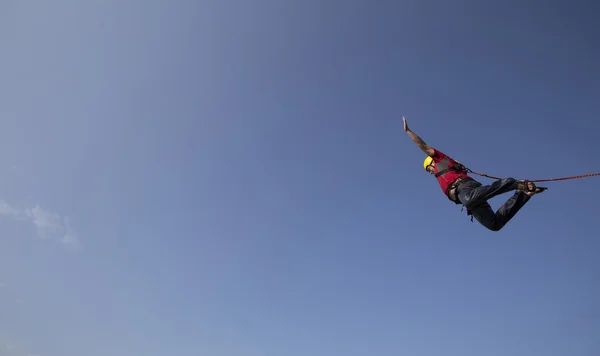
{"points": [[462, 189]]}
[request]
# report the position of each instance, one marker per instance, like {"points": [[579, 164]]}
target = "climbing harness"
{"points": [[459, 167]]}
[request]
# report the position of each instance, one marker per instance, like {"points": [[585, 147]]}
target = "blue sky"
{"points": [[231, 178]]}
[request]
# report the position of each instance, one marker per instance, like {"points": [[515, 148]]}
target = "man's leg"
{"points": [[496, 221], [473, 194]]}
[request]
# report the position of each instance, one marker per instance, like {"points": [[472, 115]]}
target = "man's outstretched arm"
{"points": [[418, 140]]}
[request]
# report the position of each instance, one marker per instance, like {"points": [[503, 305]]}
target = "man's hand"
{"points": [[416, 139]]}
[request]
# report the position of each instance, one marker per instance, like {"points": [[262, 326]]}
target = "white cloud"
{"points": [[7, 210], [48, 224], [69, 237], [45, 221], [12, 350]]}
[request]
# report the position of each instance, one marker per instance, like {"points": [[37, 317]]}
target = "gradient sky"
{"points": [[231, 178]]}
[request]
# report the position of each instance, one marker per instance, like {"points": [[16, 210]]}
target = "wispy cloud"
{"points": [[9, 211], [69, 237], [12, 350], [48, 224], [45, 221]]}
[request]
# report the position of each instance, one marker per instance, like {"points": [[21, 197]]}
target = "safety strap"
{"points": [[458, 168], [540, 180]]}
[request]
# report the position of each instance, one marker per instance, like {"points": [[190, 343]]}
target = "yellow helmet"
{"points": [[427, 162]]}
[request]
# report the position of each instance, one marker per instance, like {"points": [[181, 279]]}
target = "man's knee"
{"points": [[492, 227], [492, 224], [495, 227]]}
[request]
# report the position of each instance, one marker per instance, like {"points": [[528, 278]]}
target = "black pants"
{"points": [[474, 196]]}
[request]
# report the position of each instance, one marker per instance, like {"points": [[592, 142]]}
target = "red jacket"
{"points": [[443, 162]]}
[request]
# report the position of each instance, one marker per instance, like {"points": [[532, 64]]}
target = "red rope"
{"points": [[541, 180]]}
